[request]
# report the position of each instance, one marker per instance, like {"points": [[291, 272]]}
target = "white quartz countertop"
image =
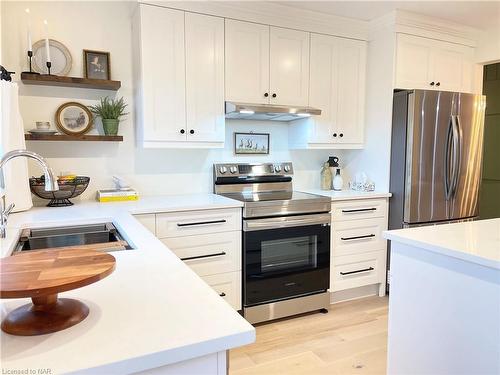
{"points": [[473, 241], [151, 311], [344, 195]]}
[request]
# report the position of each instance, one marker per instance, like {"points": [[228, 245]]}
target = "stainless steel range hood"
{"points": [[268, 112]]}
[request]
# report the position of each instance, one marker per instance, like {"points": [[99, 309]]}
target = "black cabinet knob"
{"points": [[182, 131], [274, 95], [432, 83], [191, 131], [438, 84], [341, 135], [266, 94], [334, 134], [222, 294]]}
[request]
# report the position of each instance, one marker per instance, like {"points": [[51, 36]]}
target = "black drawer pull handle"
{"points": [[357, 237], [358, 271], [205, 256], [222, 294], [360, 210], [201, 223]]}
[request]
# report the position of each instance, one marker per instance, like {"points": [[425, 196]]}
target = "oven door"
{"points": [[285, 257]]}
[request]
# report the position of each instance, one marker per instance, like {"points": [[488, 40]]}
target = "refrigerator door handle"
{"points": [[447, 146], [455, 122]]}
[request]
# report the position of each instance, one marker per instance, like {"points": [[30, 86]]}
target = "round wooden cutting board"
{"points": [[41, 275]]}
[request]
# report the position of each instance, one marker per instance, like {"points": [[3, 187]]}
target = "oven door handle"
{"points": [[286, 222]]}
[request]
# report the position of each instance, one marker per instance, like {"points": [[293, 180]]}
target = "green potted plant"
{"points": [[110, 111]]}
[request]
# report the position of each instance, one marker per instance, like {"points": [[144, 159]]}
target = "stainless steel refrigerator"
{"points": [[436, 157]]}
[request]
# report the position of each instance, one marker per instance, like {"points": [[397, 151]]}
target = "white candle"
{"points": [[30, 46], [47, 48]]}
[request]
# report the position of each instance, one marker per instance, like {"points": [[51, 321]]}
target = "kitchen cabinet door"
{"points": [[452, 67], [162, 107], [323, 87], [337, 87], [204, 78], [430, 64], [247, 62], [351, 92], [289, 73], [413, 59]]}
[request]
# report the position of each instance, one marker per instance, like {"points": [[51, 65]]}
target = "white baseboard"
{"points": [[354, 293]]}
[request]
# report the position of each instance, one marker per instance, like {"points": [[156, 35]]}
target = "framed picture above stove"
{"points": [[251, 143]]}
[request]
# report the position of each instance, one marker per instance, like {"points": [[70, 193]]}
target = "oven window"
{"points": [[289, 253]]}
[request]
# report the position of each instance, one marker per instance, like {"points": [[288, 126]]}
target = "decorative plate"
{"points": [[59, 54], [74, 118], [42, 131]]}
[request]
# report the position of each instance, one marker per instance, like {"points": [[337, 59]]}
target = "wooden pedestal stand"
{"points": [[41, 275]]}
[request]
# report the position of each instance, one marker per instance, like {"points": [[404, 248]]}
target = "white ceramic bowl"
{"points": [[43, 125]]}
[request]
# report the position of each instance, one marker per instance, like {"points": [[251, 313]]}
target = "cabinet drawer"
{"points": [[359, 209], [228, 286], [190, 223], [148, 220], [208, 254], [358, 270], [358, 236]]}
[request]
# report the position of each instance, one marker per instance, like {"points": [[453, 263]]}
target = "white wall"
{"points": [[106, 26]]}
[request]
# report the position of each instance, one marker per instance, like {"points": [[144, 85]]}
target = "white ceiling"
{"points": [[480, 14]]}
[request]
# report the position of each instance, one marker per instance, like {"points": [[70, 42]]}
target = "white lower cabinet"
{"points": [[208, 254], [228, 285], [354, 237], [208, 241], [351, 271], [358, 250]]}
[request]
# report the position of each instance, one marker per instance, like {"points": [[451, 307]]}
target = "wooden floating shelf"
{"points": [[65, 137], [87, 83]]}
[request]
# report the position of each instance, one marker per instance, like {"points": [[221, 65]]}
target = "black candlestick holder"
{"points": [[30, 57], [49, 64]]}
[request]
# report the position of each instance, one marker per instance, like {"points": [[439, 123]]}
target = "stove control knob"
{"points": [[233, 169], [277, 168], [286, 168], [222, 169]]}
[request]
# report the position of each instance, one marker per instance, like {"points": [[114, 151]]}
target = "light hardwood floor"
{"points": [[350, 339]]}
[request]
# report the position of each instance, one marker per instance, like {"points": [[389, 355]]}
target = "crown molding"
{"points": [[435, 28], [274, 15]]}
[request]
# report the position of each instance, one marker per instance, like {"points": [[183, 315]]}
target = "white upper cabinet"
{"points": [[351, 92], [179, 72], [204, 78], [162, 108], [337, 87], [247, 62], [324, 87], [289, 59], [266, 65], [424, 63]]}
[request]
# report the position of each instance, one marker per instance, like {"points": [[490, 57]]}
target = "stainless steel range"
{"points": [[286, 240]]}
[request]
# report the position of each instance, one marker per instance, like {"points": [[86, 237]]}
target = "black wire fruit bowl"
{"points": [[68, 188]]}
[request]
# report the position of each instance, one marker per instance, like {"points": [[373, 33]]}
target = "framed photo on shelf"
{"points": [[73, 118], [251, 143], [97, 64]]}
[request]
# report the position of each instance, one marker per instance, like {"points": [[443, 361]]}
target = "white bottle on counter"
{"points": [[338, 181]]}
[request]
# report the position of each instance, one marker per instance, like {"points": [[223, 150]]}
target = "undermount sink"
{"points": [[102, 237]]}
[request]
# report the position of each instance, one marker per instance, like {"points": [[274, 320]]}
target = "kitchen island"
{"points": [[153, 314], [444, 306]]}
